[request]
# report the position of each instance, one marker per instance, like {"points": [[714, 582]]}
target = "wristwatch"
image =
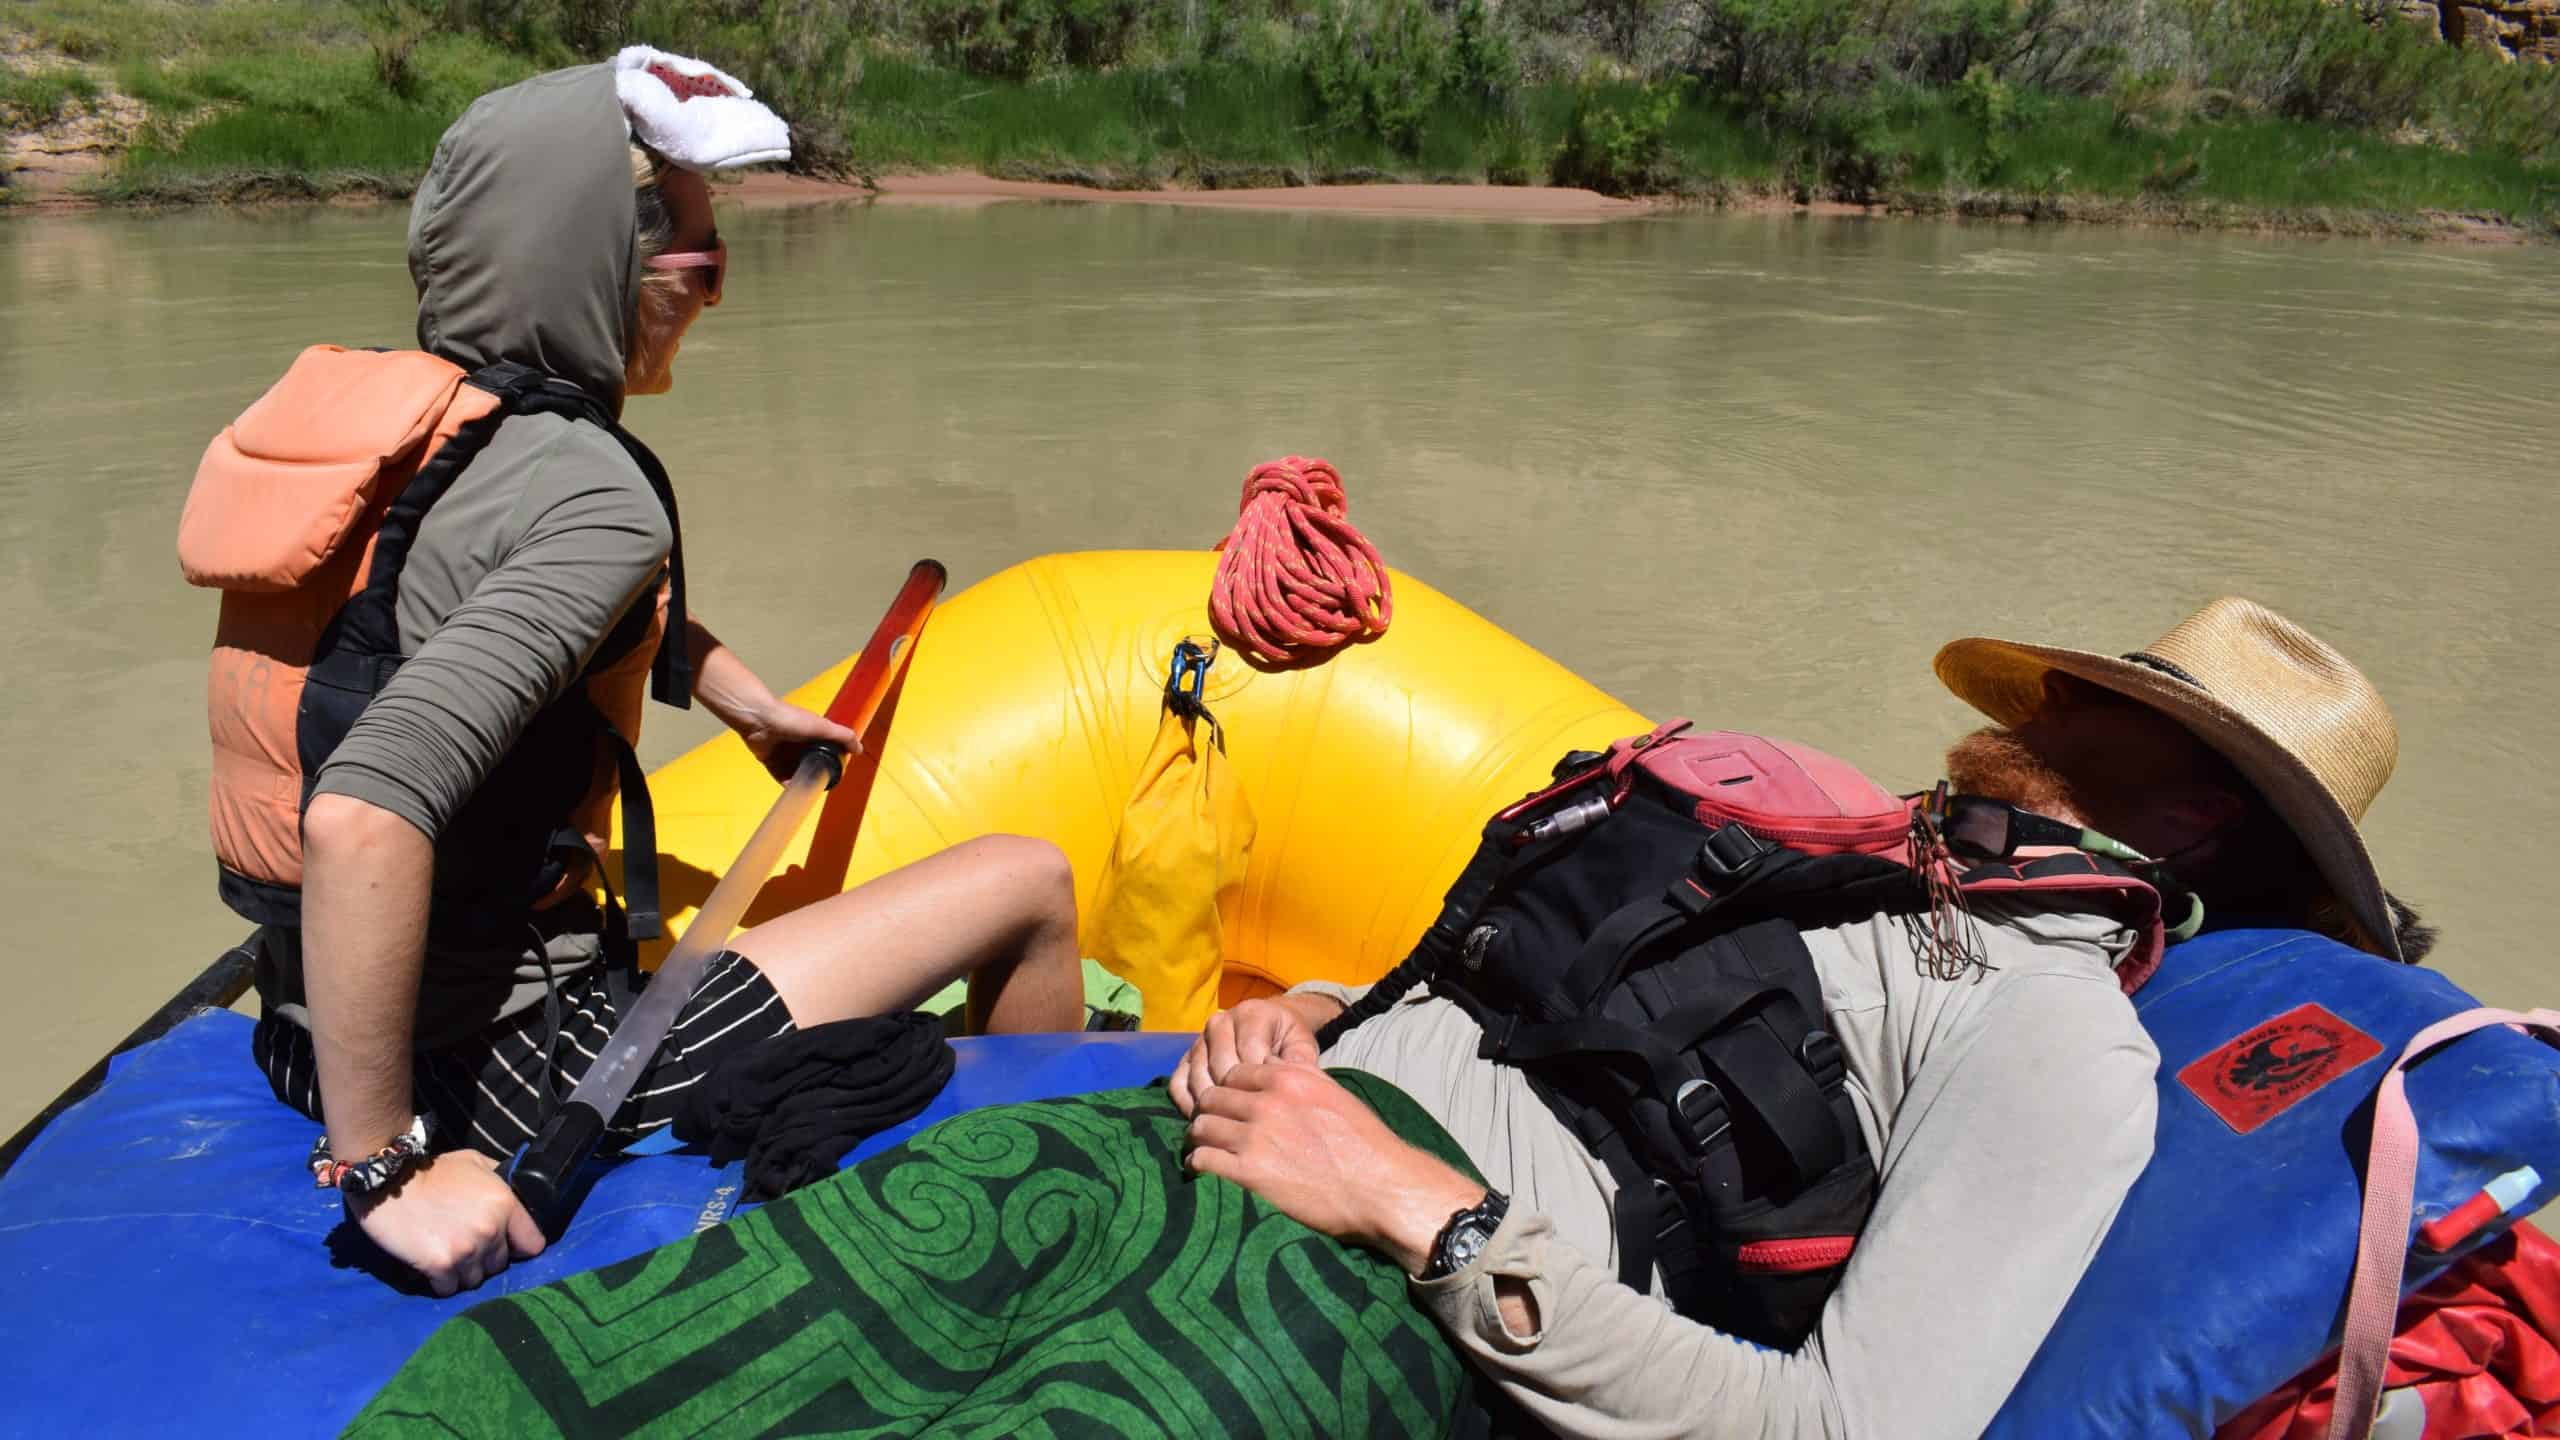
{"points": [[1465, 1236]]}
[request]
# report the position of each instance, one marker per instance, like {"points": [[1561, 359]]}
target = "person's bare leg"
{"points": [[1000, 910]]}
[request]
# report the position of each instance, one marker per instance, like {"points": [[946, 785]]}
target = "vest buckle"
{"points": [[1820, 1052], [1671, 1218], [1730, 853], [1700, 1114]]}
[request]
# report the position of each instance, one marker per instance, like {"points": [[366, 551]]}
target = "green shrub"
{"points": [[1016, 38], [2360, 65], [1789, 63], [1376, 69], [1953, 38], [1848, 150], [2489, 102], [80, 41], [30, 98], [2315, 59], [395, 27], [1992, 107], [2173, 178], [1484, 62], [1619, 145]]}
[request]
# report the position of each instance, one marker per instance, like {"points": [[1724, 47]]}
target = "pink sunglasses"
{"points": [[715, 260]]}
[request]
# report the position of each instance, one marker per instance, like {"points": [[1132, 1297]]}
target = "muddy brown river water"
{"points": [[1748, 468]]}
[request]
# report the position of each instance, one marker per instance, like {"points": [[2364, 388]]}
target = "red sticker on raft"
{"points": [[2268, 1069]]}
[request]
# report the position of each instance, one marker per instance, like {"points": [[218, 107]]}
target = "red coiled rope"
{"points": [[1296, 582]]}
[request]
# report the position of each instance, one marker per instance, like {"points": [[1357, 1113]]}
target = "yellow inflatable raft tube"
{"points": [[1033, 697]]}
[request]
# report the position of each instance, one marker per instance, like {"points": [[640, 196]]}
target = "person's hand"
{"points": [[451, 1219], [1250, 1034], [777, 734], [1292, 1135]]}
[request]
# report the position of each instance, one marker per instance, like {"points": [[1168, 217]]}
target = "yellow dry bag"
{"points": [[1176, 872]]}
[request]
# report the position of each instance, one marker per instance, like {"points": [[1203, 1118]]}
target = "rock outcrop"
{"points": [[2508, 29]]}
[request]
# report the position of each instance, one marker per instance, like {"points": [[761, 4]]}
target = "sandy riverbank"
{"points": [[1547, 204], [62, 190], [1555, 205]]}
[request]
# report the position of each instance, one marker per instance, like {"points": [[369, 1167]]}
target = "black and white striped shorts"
{"points": [[489, 1092]]}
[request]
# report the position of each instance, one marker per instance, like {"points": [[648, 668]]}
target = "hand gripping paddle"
{"points": [[542, 1171]]}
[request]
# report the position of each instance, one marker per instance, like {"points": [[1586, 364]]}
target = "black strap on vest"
{"points": [[671, 670], [362, 650], [1744, 1002], [524, 390], [1444, 943], [641, 915], [521, 389]]}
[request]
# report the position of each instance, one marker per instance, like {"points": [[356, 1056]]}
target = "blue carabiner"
{"points": [[1189, 679]]}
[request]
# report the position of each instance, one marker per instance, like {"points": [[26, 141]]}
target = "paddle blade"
{"points": [[858, 699]]}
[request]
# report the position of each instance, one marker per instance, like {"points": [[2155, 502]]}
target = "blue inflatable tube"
{"points": [[167, 1262], [2226, 1271]]}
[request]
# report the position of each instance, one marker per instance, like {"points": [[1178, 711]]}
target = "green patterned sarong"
{"points": [[1038, 1269]]}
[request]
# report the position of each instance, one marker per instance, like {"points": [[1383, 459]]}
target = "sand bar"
{"points": [[1545, 204]]}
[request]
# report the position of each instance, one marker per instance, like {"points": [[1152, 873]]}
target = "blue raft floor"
{"points": [[167, 1265]]}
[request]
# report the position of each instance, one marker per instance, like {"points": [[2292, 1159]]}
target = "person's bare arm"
{"points": [[773, 728], [367, 875], [592, 542]]}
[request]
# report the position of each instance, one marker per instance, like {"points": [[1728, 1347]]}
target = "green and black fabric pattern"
{"points": [[1042, 1269]]}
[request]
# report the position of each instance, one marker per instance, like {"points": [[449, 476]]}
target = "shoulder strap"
{"points": [[530, 391], [2090, 877], [1496, 855], [2382, 1240], [367, 629]]}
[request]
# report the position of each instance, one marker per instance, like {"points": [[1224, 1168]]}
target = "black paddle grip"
{"points": [[542, 1172], [834, 756]]}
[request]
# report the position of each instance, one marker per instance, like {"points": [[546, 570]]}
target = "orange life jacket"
{"points": [[302, 514]]}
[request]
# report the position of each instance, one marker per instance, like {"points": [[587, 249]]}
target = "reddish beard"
{"points": [[1996, 763]]}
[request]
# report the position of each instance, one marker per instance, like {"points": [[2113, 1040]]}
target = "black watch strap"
{"points": [[1465, 1236]]}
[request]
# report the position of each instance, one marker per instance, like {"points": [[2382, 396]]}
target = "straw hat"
{"points": [[2301, 723]]}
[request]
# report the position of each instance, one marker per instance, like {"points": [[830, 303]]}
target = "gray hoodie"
{"points": [[522, 242], [523, 239]]}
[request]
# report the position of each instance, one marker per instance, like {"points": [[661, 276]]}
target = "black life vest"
{"points": [[1631, 938]]}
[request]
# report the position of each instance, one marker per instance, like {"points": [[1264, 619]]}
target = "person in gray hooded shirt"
{"points": [[530, 241]]}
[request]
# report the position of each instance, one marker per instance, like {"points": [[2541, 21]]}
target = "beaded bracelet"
{"points": [[358, 1177]]}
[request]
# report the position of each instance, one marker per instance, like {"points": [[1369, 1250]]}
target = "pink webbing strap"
{"points": [[2382, 1242]]}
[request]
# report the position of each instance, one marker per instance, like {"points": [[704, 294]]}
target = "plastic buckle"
{"points": [[1730, 853], [1822, 1056], [1702, 1115], [1674, 1217]]}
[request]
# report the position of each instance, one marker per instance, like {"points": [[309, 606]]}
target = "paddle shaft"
{"points": [[541, 1172]]}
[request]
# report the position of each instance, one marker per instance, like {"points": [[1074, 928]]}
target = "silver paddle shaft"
{"points": [[644, 1027]]}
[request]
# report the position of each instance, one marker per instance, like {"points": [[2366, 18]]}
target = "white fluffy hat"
{"points": [[696, 115]]}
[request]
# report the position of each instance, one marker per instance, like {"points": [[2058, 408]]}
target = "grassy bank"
{"points": [[2293, 112], [1241, 125]]}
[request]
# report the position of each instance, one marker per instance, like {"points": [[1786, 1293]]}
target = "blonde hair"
{"points": [[659, 289]]}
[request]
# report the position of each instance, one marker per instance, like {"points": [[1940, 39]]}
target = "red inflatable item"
{"points": [[2478, 1345], [1296, 581]]}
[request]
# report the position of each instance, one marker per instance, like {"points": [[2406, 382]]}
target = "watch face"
{"points": [[1468, 1243]]}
